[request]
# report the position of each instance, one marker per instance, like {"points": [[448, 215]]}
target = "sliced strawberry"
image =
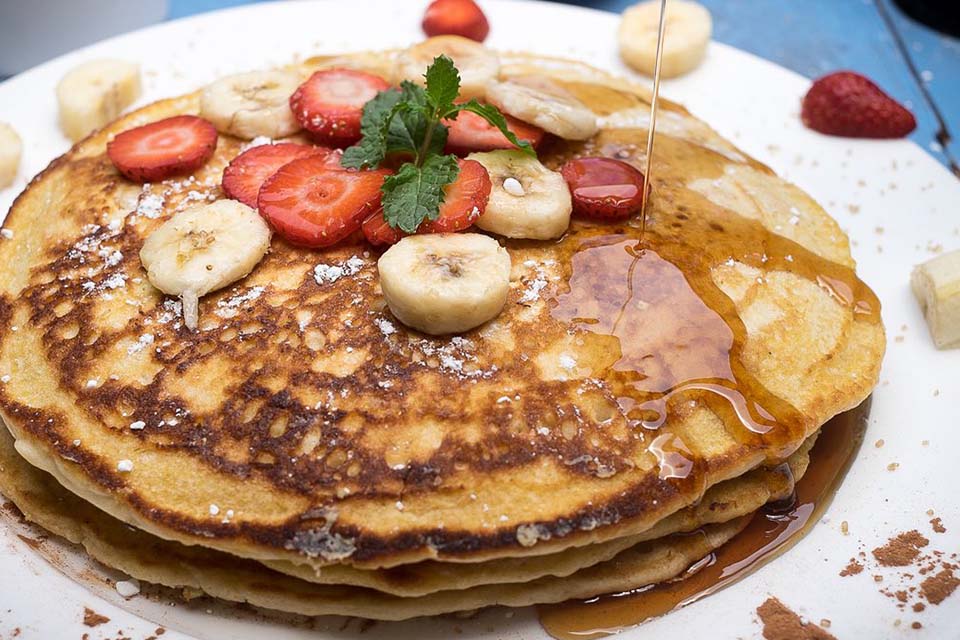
{"points": [[456, 18], [464, 201], [604, 188], [847, 104], [330, 104], [310, 203], [165, 148], [244, 176], [378, 232], [469, 133]]}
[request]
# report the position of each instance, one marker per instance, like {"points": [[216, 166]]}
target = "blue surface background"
{"points": [[813, 37]]}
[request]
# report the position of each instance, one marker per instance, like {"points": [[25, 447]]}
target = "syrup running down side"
{"points": [[771, 532]]}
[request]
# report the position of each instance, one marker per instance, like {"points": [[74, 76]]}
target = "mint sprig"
{"points": [[408, 123]]}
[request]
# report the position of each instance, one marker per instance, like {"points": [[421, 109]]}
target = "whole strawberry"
{"points": [[847, 104]]}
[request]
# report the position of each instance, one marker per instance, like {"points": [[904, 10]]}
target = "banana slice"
{"points": [[544, 103], [95, 93], [202, 249], [10, 150], [252, 104], [687, 33], [443, 283], [527, 199], [936, 284], [378, 63], [477, 65]]}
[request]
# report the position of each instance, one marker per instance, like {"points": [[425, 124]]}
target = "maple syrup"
{"points": [[654, 104], [772, 531]]}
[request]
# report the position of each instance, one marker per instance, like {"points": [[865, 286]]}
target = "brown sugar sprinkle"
{"points": [[916, 625], [901, 550], [852, 568], [877, 578], [93, 619], [919, 606], [936, 589], [937, 525], [893, 466], [780, 623], [844, 528], [878, 443]]}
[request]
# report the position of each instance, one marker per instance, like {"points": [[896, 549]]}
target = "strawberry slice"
{"points": [[849, 105], [330, 104], [464, 201], [603, 188], [165, 148], [244, 176], [469, 132], [313, 204], [456, 18], [378, 232]]}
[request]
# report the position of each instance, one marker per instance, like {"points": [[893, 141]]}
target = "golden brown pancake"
{"points": [[619, 384], [45, 502]]}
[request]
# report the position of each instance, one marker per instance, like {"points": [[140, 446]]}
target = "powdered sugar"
{"points": [[328, 273], [231, 306], [257, 142], [149, 205], [142, 343], [386, 327]]}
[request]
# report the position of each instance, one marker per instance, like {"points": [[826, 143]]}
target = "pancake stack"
{"points": [[304, 451]]}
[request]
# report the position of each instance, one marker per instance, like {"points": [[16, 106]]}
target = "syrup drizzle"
{"points": [[649, 285], [771, 532], [654, 101]]}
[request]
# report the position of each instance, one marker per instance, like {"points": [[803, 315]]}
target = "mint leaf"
{"points": [[443, 85], [492, 115], [378, 114], [409, 130], [415, 194]]}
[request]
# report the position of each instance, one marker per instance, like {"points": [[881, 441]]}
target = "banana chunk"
{"points": [[441, 283], [686, 36], [544, 103], [477, 65], [10, 150], [252, 104], [95, 93], [936, 284], [527, 199], [203, 249]]}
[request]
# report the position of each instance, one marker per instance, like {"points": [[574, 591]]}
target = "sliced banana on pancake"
{"points": [[252, 104], [477, 65], [527, 199], [94, 93], [544, 103], [442, 283], [203, 249], [687, 34], [10, 150]]}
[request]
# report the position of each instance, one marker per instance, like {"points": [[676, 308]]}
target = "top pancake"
{"points": [[616, 386]]}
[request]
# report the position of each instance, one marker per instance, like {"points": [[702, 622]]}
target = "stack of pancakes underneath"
{"points": [[627, 412]]}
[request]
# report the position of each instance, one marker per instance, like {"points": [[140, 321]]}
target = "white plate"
{"points": [[896, 203]]}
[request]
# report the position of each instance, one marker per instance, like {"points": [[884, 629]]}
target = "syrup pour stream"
{"points": [[648, 178]]}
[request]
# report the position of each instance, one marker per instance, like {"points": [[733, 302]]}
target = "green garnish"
{"points": [[408, 122]]}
